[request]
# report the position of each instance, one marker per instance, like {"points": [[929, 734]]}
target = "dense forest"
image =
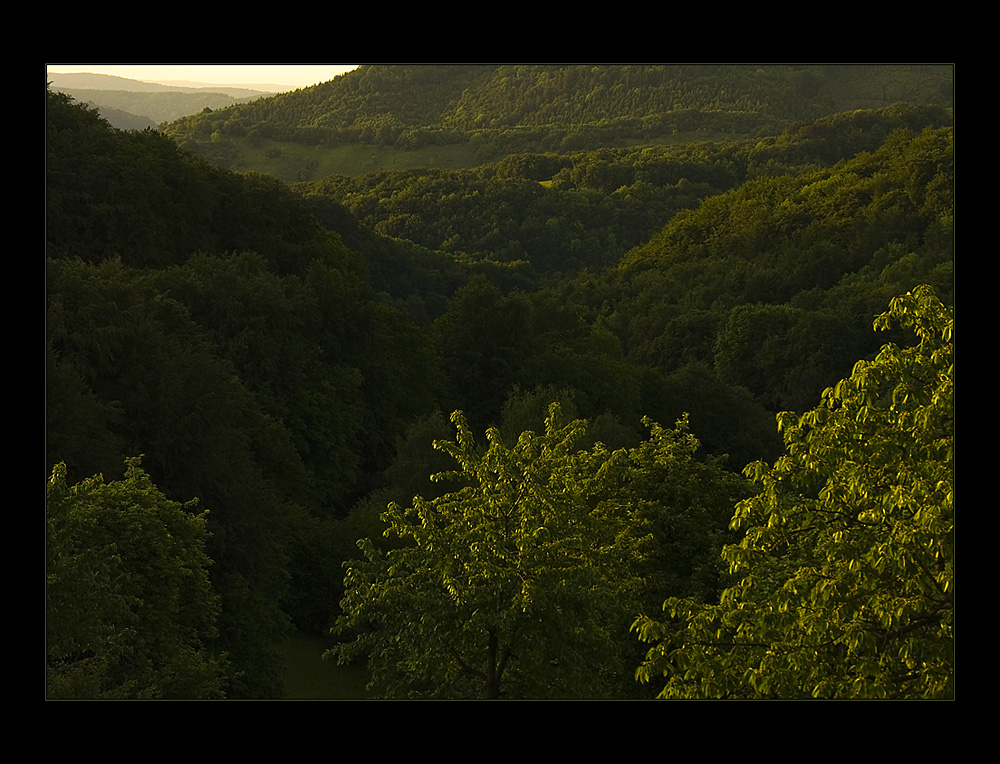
{"points": [[592, 335]]}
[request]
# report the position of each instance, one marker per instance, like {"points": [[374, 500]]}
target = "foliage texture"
{"points": [[843, 585], [130, 612], [510, 586]]}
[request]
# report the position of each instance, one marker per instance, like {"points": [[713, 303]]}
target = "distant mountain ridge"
{"points": [[133, 104], [88, 81]]}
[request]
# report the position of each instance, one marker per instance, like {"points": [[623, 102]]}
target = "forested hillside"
{"points": [[624, 317], [396, 117], [206, 322]]}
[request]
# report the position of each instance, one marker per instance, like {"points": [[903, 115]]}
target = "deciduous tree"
{"points": [[843, 585], [130, 612], [513, 585]]}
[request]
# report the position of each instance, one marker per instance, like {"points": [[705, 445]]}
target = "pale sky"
{"points": [[289, 75]]}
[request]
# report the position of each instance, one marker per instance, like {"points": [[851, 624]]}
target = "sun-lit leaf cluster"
{"points": [[511, 585], [843, 585]]}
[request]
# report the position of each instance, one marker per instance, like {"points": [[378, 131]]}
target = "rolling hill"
{"points": [[399, 116], [132, 104]]}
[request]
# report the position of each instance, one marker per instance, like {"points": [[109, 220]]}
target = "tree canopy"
{"points": [[289, 353], [843, 585], [503, 587], [522, 582], [129, 612]]}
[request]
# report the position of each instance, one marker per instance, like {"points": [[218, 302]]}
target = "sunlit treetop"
{"points": [[844, 580]]}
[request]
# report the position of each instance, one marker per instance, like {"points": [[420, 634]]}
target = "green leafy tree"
{"points": [[684, 503], [515, 585], [129, 610], [151, 383], [843, 585]]}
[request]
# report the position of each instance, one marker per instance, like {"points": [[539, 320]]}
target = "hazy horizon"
{"points": [[288, 76]]}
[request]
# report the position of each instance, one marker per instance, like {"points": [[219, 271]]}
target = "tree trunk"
{"points": [[492, 675]]}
